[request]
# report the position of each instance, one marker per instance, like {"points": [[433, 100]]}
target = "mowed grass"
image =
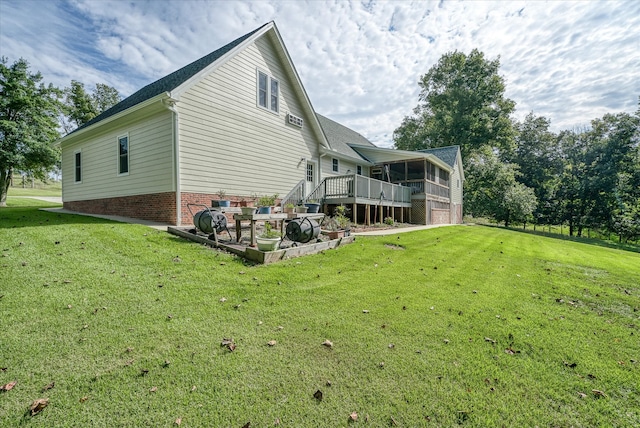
{"points": [[467, 325]]}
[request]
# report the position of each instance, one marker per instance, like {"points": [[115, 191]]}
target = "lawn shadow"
{"points": [[634, 248]]}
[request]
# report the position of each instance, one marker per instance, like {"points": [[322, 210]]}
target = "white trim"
{"points": [[118, 138], [316, 175], [75, 167]]}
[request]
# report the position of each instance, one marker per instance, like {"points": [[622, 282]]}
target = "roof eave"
{"points": [[74, 134]]}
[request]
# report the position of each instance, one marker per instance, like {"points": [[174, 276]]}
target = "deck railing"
{"points": [[295, 196], [358, 186], [428, 187]]}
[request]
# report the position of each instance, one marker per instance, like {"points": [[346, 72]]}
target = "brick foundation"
{"points": [[160, 207], [440, 216]]}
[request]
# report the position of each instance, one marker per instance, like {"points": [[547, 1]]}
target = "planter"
{"points": [[224, 203], [312, 207], [301, 209], [288, 210], [268, 244], [264, 210], [335, 234], [247, 210]]}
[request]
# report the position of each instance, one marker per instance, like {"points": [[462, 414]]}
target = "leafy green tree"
{"points": [[462, 103], [28, 124], [80, 106], [538, 158], [494, 192]]}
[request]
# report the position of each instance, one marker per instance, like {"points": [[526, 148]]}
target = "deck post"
{"points": [[367, 215], [354, 212]]}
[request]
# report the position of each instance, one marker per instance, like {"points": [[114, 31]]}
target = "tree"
{"points": [[80, 107], [462, 103], [494, 192], [28, 123], [538, 158]]}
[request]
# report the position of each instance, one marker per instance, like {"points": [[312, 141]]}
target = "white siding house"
{"points": [[238, 120]]}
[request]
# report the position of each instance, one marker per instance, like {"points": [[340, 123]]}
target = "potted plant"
{"points": [[338, 225], [301, 209], [289, 208], [222, 199], [312, 206], [269, 240], [265, 203]]}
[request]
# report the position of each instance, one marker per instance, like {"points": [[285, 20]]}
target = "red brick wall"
{"points": [[439, 216], [160, 207]]}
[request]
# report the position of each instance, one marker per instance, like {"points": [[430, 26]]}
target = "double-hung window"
{"points": [[334, 165], [123, 154], [268, 92], [359, 170], [77, 166]]}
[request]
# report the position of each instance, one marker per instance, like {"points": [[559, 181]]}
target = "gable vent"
{"points": [[295, 120]]}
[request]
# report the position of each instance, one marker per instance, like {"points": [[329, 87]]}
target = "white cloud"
{"points": [[360, 62]]}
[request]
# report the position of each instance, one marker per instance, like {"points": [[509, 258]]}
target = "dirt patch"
{"points": [[394, 246]]}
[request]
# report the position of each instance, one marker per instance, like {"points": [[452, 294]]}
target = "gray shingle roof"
{"points": [[169, 82], [447, 154], [340, 137]]}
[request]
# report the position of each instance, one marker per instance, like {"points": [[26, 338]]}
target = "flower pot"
{"points": [[301, 209], [335, 234], [312, 207], [224, 203], [247, 210], [268, 244], [264, 210], [288, 210]]}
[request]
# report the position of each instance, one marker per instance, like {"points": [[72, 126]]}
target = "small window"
{"points": [[335, 165], [78, 166], [359, 170], [310, 172], [458, 183], [123, 154], [268, 92]]}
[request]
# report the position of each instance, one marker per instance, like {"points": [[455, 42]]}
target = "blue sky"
{"points": [[360, 61]]}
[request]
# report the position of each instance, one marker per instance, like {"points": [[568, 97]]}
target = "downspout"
{"points": [[170, 104]]}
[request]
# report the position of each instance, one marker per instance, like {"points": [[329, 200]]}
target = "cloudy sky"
{"points": [[360, 61]]}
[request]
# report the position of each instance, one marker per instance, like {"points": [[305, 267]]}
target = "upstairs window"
{"points": [[77, 167], [268, 92], [123, 154], [359, 170], [334, 165]]}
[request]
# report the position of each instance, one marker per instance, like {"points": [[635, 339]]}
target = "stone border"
{"points": [[263, 257]]}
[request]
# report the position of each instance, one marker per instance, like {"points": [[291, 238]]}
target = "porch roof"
{"points": [[380, 155]]}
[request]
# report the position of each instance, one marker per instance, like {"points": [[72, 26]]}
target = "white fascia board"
{"points": [[339, 155], [177, 92], [139, 106], [400, 155], [302, 91]]}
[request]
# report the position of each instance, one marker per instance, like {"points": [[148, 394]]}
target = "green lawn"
{"points": [[39, 188], [470, 325]]}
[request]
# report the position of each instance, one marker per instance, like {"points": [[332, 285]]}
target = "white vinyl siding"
{"points": [[227, 143], [456, 184], [150, 164]]}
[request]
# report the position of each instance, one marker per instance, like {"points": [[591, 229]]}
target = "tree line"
{"points": [[34, 115], [521, 171]]}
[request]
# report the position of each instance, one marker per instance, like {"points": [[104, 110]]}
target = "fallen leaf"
{"points": [[353, 416], [178, 421], [280, 328], [393, 422], [247, 425], [38, 406], [48, 387], [328, 383], [9, 386], [193, 388], [582, 394], [222, 300], [488, 339], [318, 395], [391, 346], [271, 343], [598, 393], [328, 343], [381, 365], [276, 422], [229, 344], [83, 399], [4, 369], [144, 371], [365, 311], [169, 316], [570, 365]]}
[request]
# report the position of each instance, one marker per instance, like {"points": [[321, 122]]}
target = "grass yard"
{"points": [[476, 326]]}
